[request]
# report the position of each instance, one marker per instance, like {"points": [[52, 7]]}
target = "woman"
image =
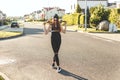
{"points": [[55, 28]]}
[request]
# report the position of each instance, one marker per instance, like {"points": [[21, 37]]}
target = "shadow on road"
{"points": [[31, 31], [66, 73]]}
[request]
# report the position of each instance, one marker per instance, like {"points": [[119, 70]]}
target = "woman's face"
{"points": [[55, 20]]}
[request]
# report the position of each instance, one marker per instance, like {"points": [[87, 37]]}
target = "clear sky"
{"points": [[21, 7]]}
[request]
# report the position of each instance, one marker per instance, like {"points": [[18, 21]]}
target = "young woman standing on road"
{"points": [[55, 28]]}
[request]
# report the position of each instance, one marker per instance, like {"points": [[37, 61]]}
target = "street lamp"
{"points": [[85, 15]]}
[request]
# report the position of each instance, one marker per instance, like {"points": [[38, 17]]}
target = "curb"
{"points": [[107, 37], [100, 36], [4, 76]]}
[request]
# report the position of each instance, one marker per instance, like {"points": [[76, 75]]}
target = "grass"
{"points": [[4, 34], [1, 78], [92, 30]]}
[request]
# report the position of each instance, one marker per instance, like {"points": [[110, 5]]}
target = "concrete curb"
{"points": [[108, 36], [4, 76]]}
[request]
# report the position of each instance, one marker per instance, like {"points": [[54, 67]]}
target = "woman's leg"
{"points": [[56, 59], [53, 65], [57, 62], [56, 42]]}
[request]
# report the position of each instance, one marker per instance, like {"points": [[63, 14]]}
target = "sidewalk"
{"points": [[7, 28], [3, 27], [109, 35]]}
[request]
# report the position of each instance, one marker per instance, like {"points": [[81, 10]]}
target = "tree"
{"points": [[115, 17], [98, 14], [88, 16], [78, 9]]}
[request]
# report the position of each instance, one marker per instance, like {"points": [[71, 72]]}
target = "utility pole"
{"points": [[85, 15]]}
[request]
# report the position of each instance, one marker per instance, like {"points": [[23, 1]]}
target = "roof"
{"points": [[50, 8], [92, 0]]}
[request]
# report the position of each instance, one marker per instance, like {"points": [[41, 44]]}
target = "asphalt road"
{"points": [[82, 57]]}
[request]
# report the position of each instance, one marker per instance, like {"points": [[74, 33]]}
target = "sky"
{"points": [[22, 7]]}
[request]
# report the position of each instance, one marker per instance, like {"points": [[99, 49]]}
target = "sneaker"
{"points": [[58, 69]]}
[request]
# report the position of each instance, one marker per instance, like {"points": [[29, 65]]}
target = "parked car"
{"points": [[14, 25]]}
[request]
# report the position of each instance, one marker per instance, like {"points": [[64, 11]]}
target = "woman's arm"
{"points": [[63, 29], [46, 30]]}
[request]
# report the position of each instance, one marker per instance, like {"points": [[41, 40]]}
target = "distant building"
{"points": [[118, 4], [115, 4], [49, 12], [73, 5], [111, 4], [2, 18], [92, 3]]}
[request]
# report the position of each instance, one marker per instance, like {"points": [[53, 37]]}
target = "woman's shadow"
{"points": [[66, 73]]}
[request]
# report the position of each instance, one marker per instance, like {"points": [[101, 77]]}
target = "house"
{"points": [[118, 4], [49, 12], [2, 18], [115, 4], [36, 15], [73, 5], [91, 3]]}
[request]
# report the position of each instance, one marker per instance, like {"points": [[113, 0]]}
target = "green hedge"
{"points": [[72, 19], [82, 20], [115, 17], [98, 14], [1, 78]]}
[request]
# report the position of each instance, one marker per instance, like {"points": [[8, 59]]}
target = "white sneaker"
{"points": [[58, 69]]}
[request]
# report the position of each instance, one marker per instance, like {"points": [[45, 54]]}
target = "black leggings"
{"points": [[56, 42]]}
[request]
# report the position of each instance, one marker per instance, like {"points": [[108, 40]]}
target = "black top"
{"points": [[55, 28]]}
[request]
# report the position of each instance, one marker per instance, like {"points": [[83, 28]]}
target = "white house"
{"points": [[2, 17], [49, 12], [115, 4], [73, 5], [92, 3], [118, 4]]}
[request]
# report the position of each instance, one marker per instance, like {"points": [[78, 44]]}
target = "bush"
{"points": [[98, 14], [68, 18], [94, 21], [118, 11], [115, 17], [82, 20], [76, 18], [1, 78], [118, 23], [72, 19]]}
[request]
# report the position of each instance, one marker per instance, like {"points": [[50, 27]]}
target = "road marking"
{"points": [[6, 61]]}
